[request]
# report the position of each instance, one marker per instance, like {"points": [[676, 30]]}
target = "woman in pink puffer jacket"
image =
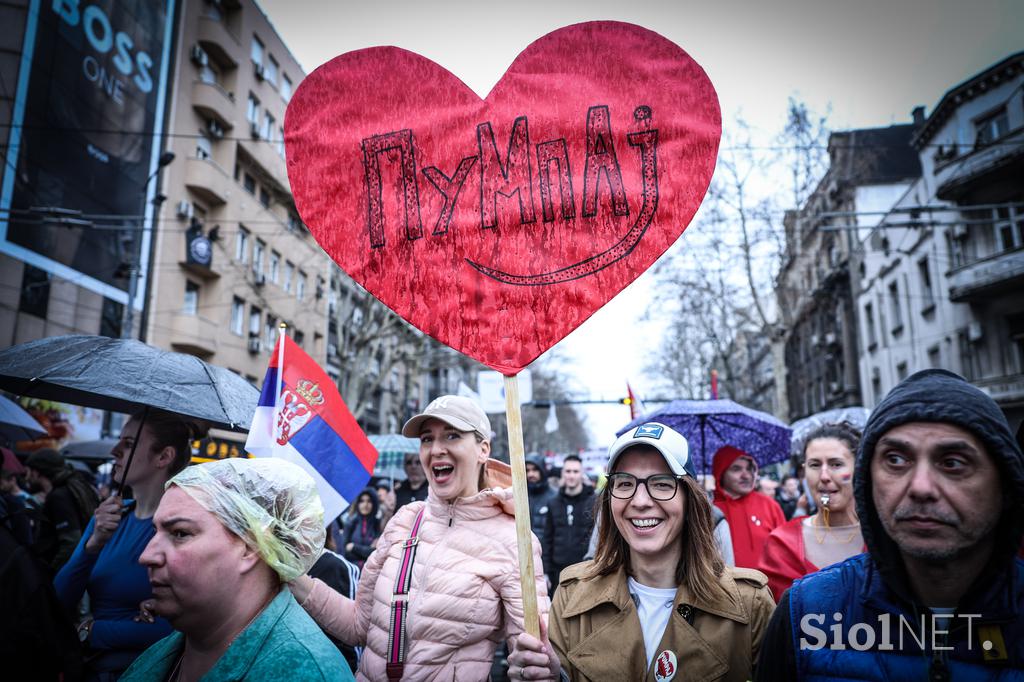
{"points": [[465, 596]]}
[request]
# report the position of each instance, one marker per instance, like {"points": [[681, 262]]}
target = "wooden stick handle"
{"points": [[524, 535]]}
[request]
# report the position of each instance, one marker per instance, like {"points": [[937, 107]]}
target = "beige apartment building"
{"points": [[228, 200]]}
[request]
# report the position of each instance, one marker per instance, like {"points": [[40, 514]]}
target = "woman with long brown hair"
{"points": [[807, 544], [657, 595]]}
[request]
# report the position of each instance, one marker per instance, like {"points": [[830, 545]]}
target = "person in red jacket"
{"points": [[752, 516]]}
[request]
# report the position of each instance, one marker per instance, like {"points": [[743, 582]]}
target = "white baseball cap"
{"points": [[457, 411], [669, 442]]}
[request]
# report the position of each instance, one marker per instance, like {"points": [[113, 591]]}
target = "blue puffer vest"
{"points": [[856, 592]]}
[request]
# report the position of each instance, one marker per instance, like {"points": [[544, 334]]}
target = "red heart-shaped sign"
{"points": [[498, 226]]}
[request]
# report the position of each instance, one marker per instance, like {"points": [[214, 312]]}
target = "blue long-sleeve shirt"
{"points": [[116, 584]]}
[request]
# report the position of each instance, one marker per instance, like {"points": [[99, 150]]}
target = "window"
{"points": [[1015, 325], [255, 322], [300, 286], [242, 245], [970, 365], [876, 385], [268, 126], [275, 266], [902, 371], [258, 249], [1008, 223], [204, 148], [207, 74], [270, 331], [299, 338], [294, 224], [249, 183], [264, 197], [894, 309], [237, 315], [869, 324], [934, 357], [286, 87], [257, 50], [280, 142], [270, 74], [110, 318], [927, 293], [991, 127], [289, 274], [35, 291], [191, 303], [956, 248], [252, 110]]}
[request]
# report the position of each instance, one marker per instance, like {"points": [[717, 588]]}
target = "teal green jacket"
{"points": [[282, 643]]}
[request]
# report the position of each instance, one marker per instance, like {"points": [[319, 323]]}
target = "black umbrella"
{"points": [[124, 375]]}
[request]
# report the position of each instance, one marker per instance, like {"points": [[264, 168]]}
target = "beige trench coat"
{"points": [[596, 632]]}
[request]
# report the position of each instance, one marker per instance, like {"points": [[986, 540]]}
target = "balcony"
{"points": [[213, 103], [963, 174], [264, 154], [1004, 389], [997, 274], [208, 180], [193, 334], [219, 42]]}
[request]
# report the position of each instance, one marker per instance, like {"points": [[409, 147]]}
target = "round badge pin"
{"points": [[665, 666]]}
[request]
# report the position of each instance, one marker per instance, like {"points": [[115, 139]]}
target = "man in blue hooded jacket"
{"points": [[939, 486]]}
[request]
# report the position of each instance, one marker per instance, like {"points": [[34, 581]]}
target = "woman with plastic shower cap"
{"points": [[229, 534], [441, 591]]}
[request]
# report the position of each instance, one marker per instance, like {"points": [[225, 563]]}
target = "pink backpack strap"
{"points": [[400, 604]]}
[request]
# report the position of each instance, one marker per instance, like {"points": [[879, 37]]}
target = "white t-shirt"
{"points": [[654, 606]]}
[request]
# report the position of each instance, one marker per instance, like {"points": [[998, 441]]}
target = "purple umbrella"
{"points": [[710, 424]]}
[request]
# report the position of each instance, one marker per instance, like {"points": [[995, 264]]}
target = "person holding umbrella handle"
{"points": [[153, 447]]}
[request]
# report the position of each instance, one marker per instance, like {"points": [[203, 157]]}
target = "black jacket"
{"points": [[540, 494], [570, 521], [342, 576]]}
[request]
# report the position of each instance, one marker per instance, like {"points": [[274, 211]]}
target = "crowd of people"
{"points": [[891, 554]]}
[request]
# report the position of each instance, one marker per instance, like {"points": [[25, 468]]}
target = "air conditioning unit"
{"points": [[199, 56], [259, 279], [332, 350], [975, 332], [184, 210], [215, 129], [814, 339], [260, 71], [834, 387], [830, 339], [254, 130], [959, 231], [255, 345]]}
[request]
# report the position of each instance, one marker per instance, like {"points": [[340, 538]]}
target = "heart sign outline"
{"points": [[499, 225]]}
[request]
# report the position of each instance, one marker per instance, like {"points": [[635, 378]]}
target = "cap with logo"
{"points": [[455, 410], [669, 442]]}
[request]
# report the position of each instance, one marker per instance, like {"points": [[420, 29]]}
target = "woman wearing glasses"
{"points": [[657, 597]]}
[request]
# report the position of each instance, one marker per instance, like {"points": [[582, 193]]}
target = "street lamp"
{"points": [[128, 318]]}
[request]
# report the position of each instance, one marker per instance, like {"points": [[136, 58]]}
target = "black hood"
{"points": [[541, 485], [937, 395], [372, 492]]}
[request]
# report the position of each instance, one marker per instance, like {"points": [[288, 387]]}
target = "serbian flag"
{"points": [[301, 418]]}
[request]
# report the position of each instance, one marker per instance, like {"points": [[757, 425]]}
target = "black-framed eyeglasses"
{"points": [[661, 487]]}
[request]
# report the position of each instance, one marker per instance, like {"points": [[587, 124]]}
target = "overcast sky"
{"points": [[871, 61]]}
